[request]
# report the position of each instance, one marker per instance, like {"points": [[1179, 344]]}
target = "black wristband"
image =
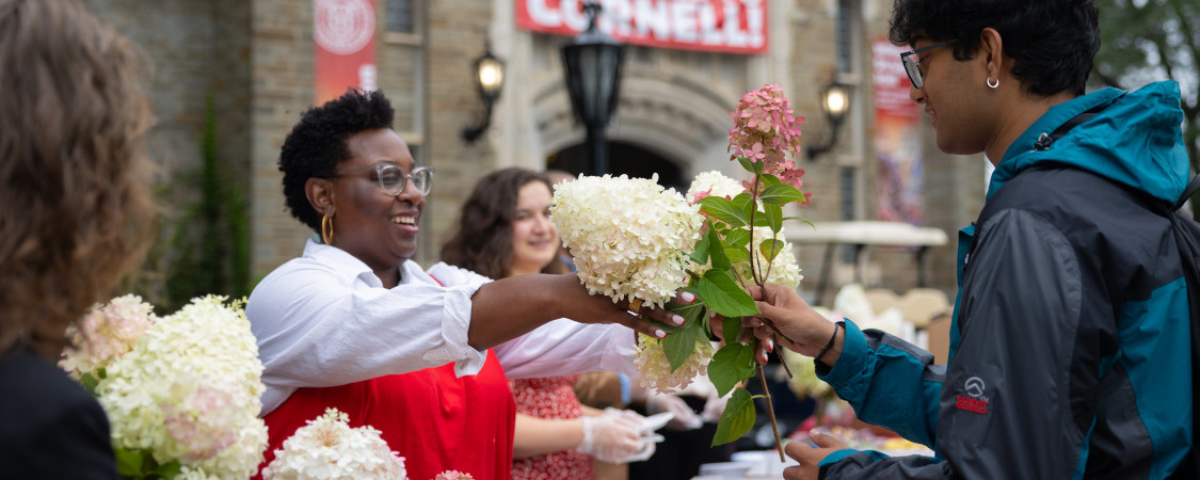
{"points": [[836, 326]]}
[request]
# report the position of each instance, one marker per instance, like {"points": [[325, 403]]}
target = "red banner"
{"points": [[897, 139], [733, 26], [344, 33]]}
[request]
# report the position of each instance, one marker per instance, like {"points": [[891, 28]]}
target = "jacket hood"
{"points": [[1136, 141]]}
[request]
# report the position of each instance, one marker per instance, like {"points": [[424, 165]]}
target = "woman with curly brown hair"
{"points": [[76, 217], [504, 230]]}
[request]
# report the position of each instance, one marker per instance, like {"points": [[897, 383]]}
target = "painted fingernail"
{"points": [[677, 319], [687, 297], [659, 333], [770, 345]]}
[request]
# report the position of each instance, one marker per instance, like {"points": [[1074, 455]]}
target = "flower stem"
{"points": [[762, 379]]}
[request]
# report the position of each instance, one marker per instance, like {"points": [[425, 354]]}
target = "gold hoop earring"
{"points": [[991, 85], [327, 229]]}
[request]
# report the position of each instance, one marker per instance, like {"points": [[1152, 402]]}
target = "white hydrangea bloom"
{"points": [[655, 369], [630, 237], [713, 184], [190, 390], [327, 448], [106, 333]]}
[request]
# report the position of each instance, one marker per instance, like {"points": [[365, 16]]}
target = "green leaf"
{"points": [[774, 214], [781, 194], [170, 469], [731, 364], [737, 238], [723, 209], [737, 419], [770, 248], [689, 311], [89, 383], [769, 180], [747, 164], [678, 348], [737, 254], [129, 463], [741, 200], [730, 328], [724, 296], [719, 260], [802, 219], [700, 253]]}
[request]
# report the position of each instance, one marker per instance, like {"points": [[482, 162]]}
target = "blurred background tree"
{"points": [[1147, 40], [203, 246]]}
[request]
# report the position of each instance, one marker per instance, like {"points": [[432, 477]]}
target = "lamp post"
{"points": [[835, 102], [592, 65], [489, 80]]}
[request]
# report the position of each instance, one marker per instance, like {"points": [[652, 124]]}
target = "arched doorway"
{"points": [[623, 158]]}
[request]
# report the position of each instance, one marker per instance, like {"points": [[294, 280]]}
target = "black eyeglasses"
{"points": [[393, 179], [911, 62]]}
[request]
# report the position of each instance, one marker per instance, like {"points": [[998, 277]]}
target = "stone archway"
{"points": [[624, 158], [671, 126]]}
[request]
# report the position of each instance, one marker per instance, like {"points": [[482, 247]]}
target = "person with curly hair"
{"points": [[355, 324], [76, 218], [1071, 340], [505, 230]]}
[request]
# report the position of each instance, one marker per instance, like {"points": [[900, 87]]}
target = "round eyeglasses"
{"points": [[393, 179], [912, 63]]}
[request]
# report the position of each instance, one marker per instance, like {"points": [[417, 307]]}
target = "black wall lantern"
{"points": [[592, 65], [835, 102], [489, 79]]}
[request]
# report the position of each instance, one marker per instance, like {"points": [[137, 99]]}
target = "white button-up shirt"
{"points": [[325, 319]]}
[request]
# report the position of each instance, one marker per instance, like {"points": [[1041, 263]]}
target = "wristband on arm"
{"points": [[836, 326]]}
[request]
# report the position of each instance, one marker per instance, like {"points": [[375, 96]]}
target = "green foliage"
{"points": [[737, 419], [724, 210], [140, 464], [731, 364], [206, 248], [724, 295]]}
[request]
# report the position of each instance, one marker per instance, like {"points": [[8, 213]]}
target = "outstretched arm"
{"points": [[511, 307]]}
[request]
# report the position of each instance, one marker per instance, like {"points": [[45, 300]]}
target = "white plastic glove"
{"points": [[610, 437], [649, 445], [685, 418]]}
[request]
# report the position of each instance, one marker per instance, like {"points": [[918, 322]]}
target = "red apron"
{"points": [[432, 418]]}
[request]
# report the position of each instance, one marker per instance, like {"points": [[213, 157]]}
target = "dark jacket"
{"points": [[1070, 348], [50, 427]]}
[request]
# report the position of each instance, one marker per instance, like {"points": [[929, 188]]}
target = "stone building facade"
{"points": [[253, 59]]}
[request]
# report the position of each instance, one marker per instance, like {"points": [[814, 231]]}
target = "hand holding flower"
{"points": [[803, 329]]}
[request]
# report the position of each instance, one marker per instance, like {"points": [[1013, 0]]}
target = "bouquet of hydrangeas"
{"points": [[181, 392], [327, 448], [631, 239]]}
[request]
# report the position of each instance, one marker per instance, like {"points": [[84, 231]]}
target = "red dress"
{"points": [[432, 418], [551, 397]]}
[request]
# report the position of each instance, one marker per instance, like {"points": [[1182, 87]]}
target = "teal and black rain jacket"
{"points": [[1069, 348]]}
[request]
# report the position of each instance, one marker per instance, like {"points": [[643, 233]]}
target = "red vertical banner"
{"points": [[344, 33], [900, 180]]}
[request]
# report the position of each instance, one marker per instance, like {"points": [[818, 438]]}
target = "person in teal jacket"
{"points": [[1070, 351]]}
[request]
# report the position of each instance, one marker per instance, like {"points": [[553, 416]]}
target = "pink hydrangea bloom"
{"points": [[765, 129]]}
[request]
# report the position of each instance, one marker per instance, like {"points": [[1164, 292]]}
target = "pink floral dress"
{"points": [[550, 397]]}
